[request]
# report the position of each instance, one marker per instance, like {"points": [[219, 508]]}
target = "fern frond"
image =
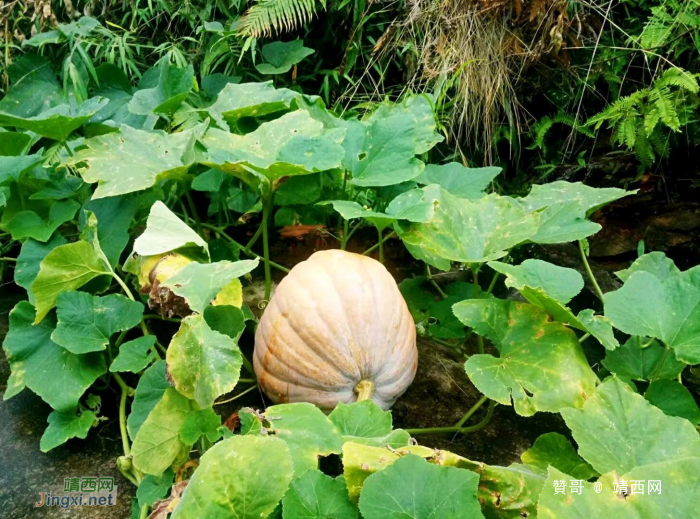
{"points": [[680, 78], [665, 106], [268, 16], [657, 29], [643, 150]]}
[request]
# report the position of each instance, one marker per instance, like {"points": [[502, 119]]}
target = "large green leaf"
{"points": [[317, 496], [162, 89], [659, 303], [202, 364], [200, 283], [36, 362], [86, 322], [464, 230], [12, 167], [560, 283], [656, 263], [64, 425], [158, 444], [243, 477], [67, 267], [282, 56], [550, 287], [565, 208], [134, 160], [554, 449], [114, 217], [413, 488], [30, 224], [381, 149], [678, 496], [250, 100], [673, 399], [165, 232], [631, 361], [366, 423], [149, 391], [29, 259], [294, 144], [307, 432], [540, 367], [459, 180], [619, 430]]}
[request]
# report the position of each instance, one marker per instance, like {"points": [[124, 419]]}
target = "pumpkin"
{"points": [[336, 330]]}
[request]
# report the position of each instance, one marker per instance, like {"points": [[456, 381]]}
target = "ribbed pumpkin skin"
{"points": [[334, 320]]}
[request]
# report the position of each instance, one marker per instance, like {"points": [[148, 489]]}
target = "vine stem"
{"points": [[250, 254], [266, 250], [584, 337], [459, 430], [492, 285], [193, 210], [473, 410], [381, 246], [13, 260], [253, 240], [236, 397], [128, 293], [376, 245], [596, 287], [344, 240], [433, 282]]}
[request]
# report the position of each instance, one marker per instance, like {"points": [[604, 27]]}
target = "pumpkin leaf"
{"points": [[29, 224], [306, 430], [673, 399], [540, 367], [162, 89], [225, 319], [381, 149], [282, 56], [618, 430], [58, 376], [114, 217], [12, 167], [157, 443], [203, 422], [560, 283], [459, 180], [242, 476], [659, 303], [549, 288], [29, 260], [165, 232], [656, 263], [466, 231], [65, 268], [153, 488], [554, 449], [510, 491], [134, 355], [366, 423], [412, 487], [315, 495], [236, 101], [203, 364], [677, 498], [631, 361], [86, 322], [133, 160], [294, 144], [64, 425], [149, 391], [200, 283]]}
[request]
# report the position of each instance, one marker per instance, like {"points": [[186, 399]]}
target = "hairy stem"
{"points": [[253, 240], [596, 287]]}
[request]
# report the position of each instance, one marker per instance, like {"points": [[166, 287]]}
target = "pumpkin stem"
{"points": [[364, 390]]}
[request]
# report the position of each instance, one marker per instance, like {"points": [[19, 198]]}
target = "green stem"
{"points": [[193, 210], [161, 318], [659, 364], [381, 246], [584, 337], [13, 260], [266, 250], [254, 239], [144, 512], [480, 341], [122, 417], [251, 388], [248, 366], [459, 430], [251, 254], [596, 287], [473, 410], [376, 245], [433, 282], [346, 228], [492, 285], [128, 293]]}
